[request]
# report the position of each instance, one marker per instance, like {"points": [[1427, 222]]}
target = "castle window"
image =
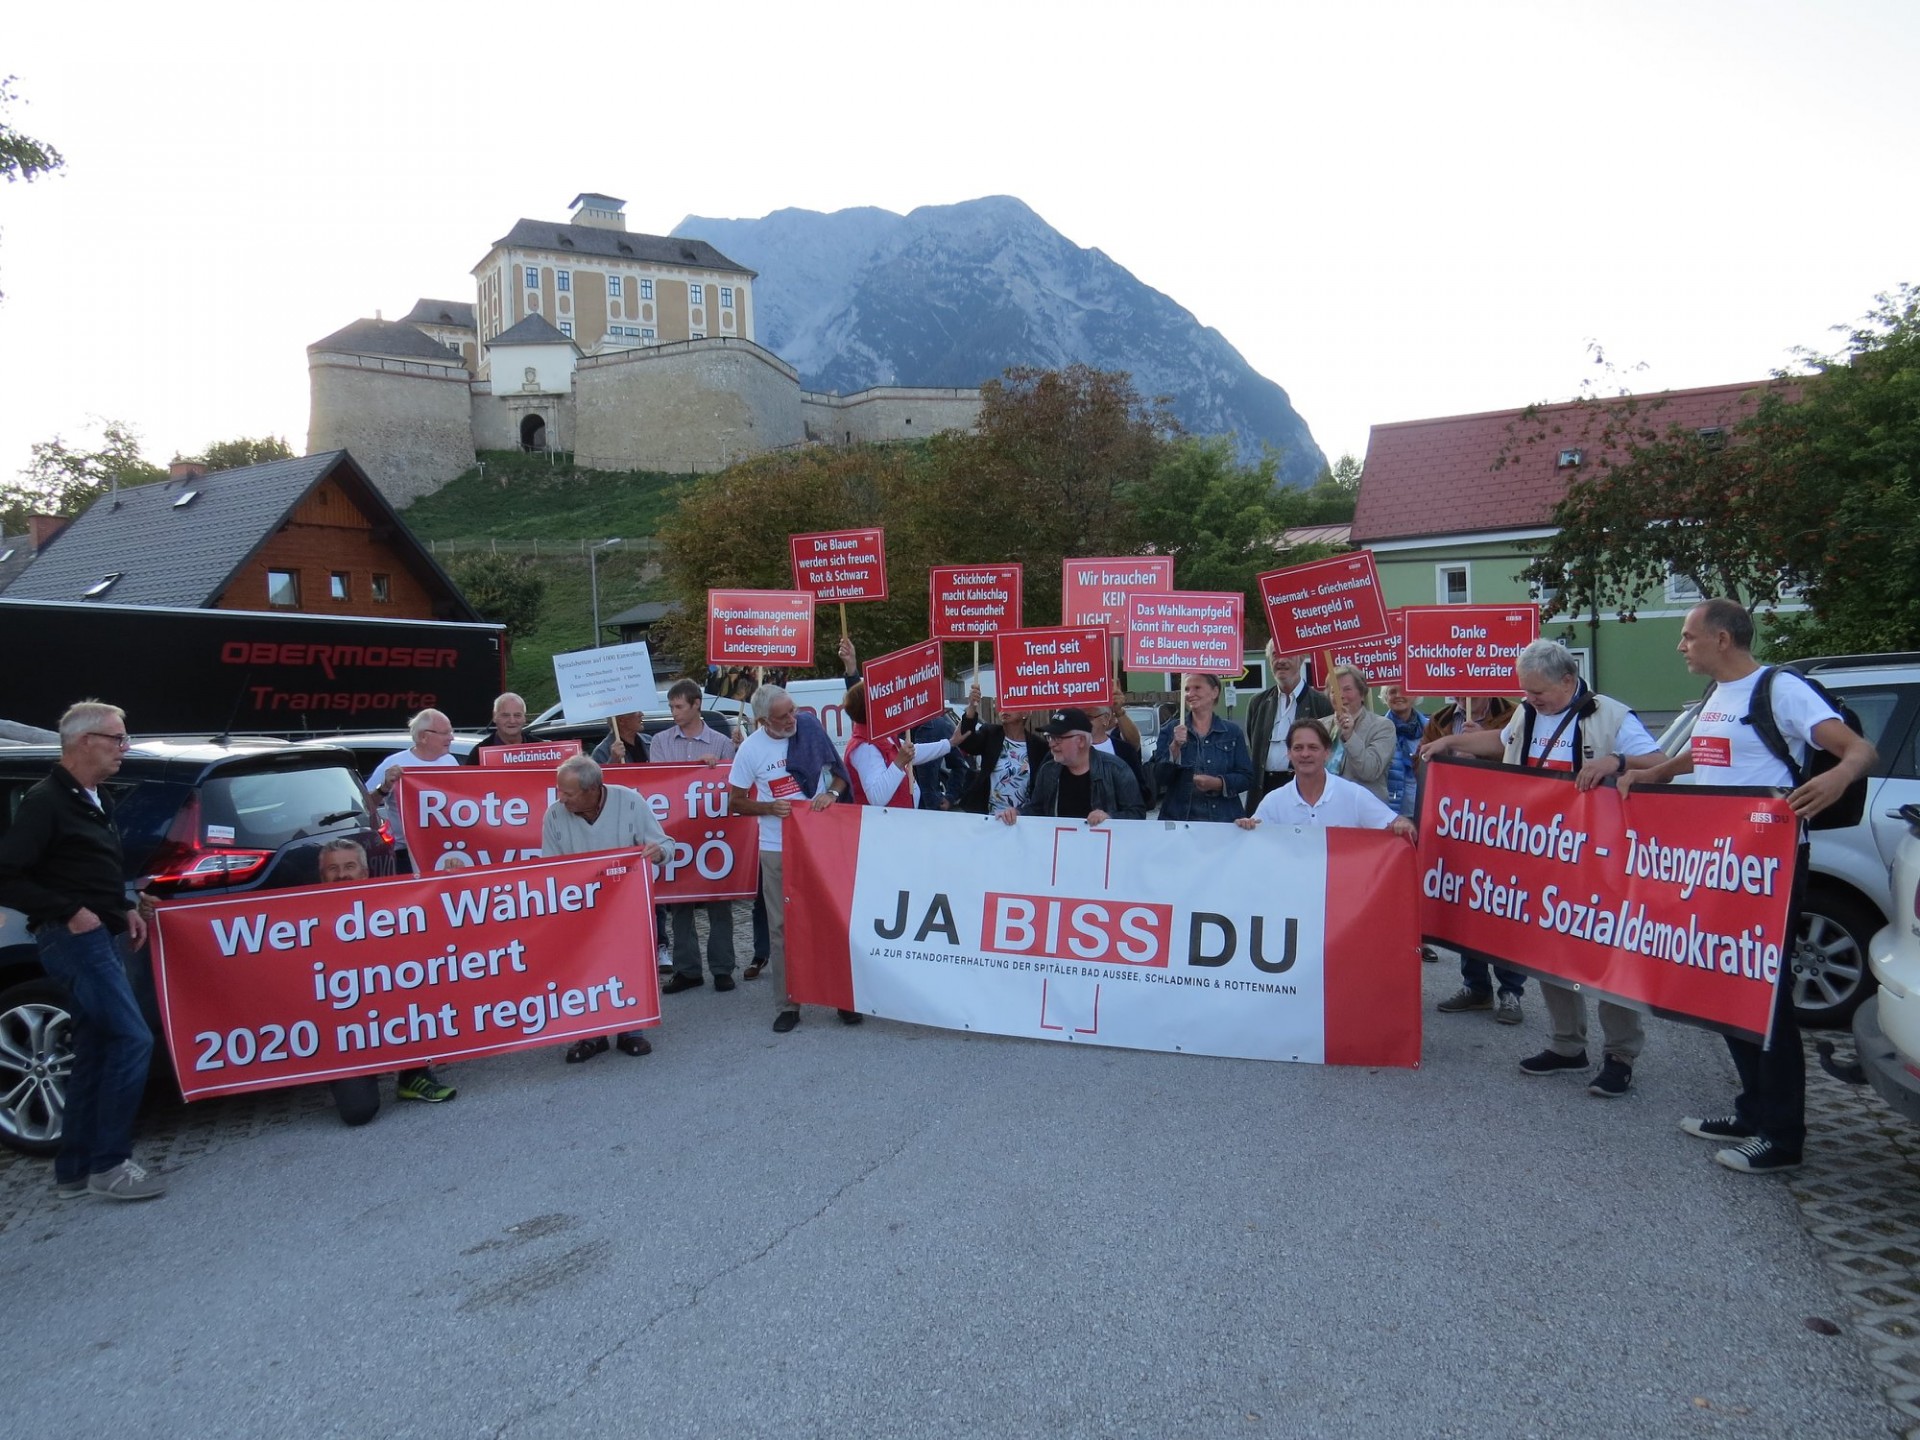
{"points": [[566, 328], [646, 289], [337, 585], [563, 280], [533, 277], [283, 588], [613, 285], [647, 335], [696, 294], [726, 297], [698, 335], [382, 588]]}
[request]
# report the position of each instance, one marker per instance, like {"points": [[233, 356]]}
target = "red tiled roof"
{"points": [[1439, 477]]}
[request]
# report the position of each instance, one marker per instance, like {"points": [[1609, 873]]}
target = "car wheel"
{"points": [[36, 1056], [1830, 973]]}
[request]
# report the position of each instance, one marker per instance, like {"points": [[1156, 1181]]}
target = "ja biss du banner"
{"points": [[288, 987], [1673, 900], [1274, 944], [460, 815]]}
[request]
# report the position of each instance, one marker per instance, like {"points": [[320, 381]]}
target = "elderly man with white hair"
{"points": [[509, 726], [432, 735], [1564, 726], [593, 815]]}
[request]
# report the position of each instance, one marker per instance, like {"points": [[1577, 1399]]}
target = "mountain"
{"points": [[955, 294]]}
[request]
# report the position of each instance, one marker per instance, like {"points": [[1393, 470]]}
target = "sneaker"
{"points": [[1465, 999], [1508, 1012], [69, 1189], [1719, 1127], [1614, 1080], [126, 1181], [422, 1086], [1552, 1062], [1757, 1156]]}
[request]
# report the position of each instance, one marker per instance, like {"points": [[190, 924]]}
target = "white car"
{"points": [[1849, 892], [1886, 1029]]}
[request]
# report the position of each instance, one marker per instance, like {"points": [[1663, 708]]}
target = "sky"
{"points": [[1394, 211]]}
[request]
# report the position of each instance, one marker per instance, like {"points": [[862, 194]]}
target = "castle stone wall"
{"points": [[408, 422], [697, 405], [888, 413]]}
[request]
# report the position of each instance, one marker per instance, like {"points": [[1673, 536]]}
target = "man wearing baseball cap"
{"points": [[1079, 782]]}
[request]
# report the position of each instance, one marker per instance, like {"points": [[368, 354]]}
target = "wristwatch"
{"points": [[1623, 763]]}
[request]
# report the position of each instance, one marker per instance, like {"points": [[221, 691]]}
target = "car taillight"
{"points": [[183, 863], [182, 868]]}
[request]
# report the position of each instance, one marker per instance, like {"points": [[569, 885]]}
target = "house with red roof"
{"points": [[1454, 509]]}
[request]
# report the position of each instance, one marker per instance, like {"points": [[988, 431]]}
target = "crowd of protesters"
{"points": [[1306, 759]]}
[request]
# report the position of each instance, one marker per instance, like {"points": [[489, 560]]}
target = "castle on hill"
{"points": [[634, 352]]}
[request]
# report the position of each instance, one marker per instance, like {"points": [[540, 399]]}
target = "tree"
{"points": [[21, 156], [1814, 490], [233, 454], [64, 480], [1342, 475], [502, 589]]}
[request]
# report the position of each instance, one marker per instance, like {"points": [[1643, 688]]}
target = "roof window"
{"points": [[187, 497], [1714, 437], [1568, 459], [566, 242], [6, 555], [94, 592]]}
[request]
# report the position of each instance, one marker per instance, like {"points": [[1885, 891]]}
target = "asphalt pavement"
{"points": [[891, 1231]]}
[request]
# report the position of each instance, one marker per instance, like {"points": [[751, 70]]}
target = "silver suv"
{"points": [[1849, 894]]}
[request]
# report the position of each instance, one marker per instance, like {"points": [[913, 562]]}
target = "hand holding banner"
{"points": [[287, 987]]}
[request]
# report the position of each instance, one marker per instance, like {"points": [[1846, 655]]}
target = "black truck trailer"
{"points": [[215, 672]]}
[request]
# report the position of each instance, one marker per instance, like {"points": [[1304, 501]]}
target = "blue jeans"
{"points": [[111, 1048], [1478, 976]]}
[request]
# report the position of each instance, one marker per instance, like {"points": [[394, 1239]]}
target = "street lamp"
{"points": [[593, 572]]}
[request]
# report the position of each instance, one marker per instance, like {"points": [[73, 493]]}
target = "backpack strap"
{"points": [[1760, 716]]}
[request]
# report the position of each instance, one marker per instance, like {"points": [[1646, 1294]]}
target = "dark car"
{"points": [[196, 818]]}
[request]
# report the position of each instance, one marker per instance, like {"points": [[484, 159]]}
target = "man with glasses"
{"points": [[1288, 699], [60, 863], [1078, 781], [432, 744]]}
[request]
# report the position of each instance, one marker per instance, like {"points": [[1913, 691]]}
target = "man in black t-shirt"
{"points": [[1079, 782]]}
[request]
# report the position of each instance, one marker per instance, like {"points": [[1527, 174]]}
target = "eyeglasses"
{"points": [[119, 737]]}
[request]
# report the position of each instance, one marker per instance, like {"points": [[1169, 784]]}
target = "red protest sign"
{"points": [[904, 688], [542, 755], [1675, 899], [1383, 659], [287, 987], [1094, 592], [1334, 601], [759, 627], [1186, 630], [465, 816], [1041, 669], [1466, 649], [973, 602], [840, 565]]}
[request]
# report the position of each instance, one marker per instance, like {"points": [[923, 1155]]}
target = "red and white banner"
{"points": [[1674, 899], [904, 688], [1383, 660], [455, 816], [541, 755], [287, 987], [1275, 944], [1094, 592], [1041, 669], [759, 627], [1460, 650], [1330, 602], [841, 565], [973, 602], [1187, 630]]}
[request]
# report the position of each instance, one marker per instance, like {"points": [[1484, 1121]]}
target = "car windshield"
{"points": [[265, 809]]}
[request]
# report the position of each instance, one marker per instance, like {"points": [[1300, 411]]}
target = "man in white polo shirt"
{"points": [[1768, 1126]]}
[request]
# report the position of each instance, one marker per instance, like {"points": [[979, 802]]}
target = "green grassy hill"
{"points": [[547, 513]]}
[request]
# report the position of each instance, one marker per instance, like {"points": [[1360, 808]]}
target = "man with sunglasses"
{"points": [[60, 863], [1078, 781]]}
